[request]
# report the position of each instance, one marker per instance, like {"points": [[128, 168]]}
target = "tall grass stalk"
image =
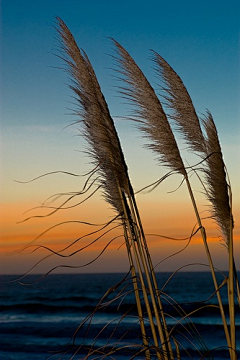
{"points": [[100, 134], [218, 194], [140, 257], [137, 295], [106, 152], [130, 233], [153, 122], [208, 147], [152, 278]]}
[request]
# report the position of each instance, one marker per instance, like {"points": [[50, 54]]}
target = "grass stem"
{"points": [[203, 234]]}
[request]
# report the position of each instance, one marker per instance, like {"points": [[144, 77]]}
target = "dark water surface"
{"points": [[42, 320]]}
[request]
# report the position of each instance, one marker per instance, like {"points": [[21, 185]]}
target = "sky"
{"points": [[200, 40]]}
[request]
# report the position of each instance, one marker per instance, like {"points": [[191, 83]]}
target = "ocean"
{"points": [[66, 316]]}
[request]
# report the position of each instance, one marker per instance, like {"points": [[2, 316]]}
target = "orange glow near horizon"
{"points": [[168, 222]]}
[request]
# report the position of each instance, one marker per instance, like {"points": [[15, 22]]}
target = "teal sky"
{"points": [[199, 39]]}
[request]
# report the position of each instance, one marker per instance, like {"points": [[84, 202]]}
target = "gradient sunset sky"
{"points": [[199, 39]]}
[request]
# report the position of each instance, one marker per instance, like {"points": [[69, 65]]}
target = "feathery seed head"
{"points": [[98, 126], [154, 122], [180, 104], [216, 178]]}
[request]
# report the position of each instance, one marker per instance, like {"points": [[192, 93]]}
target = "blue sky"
{"points": [[200, 40]]}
